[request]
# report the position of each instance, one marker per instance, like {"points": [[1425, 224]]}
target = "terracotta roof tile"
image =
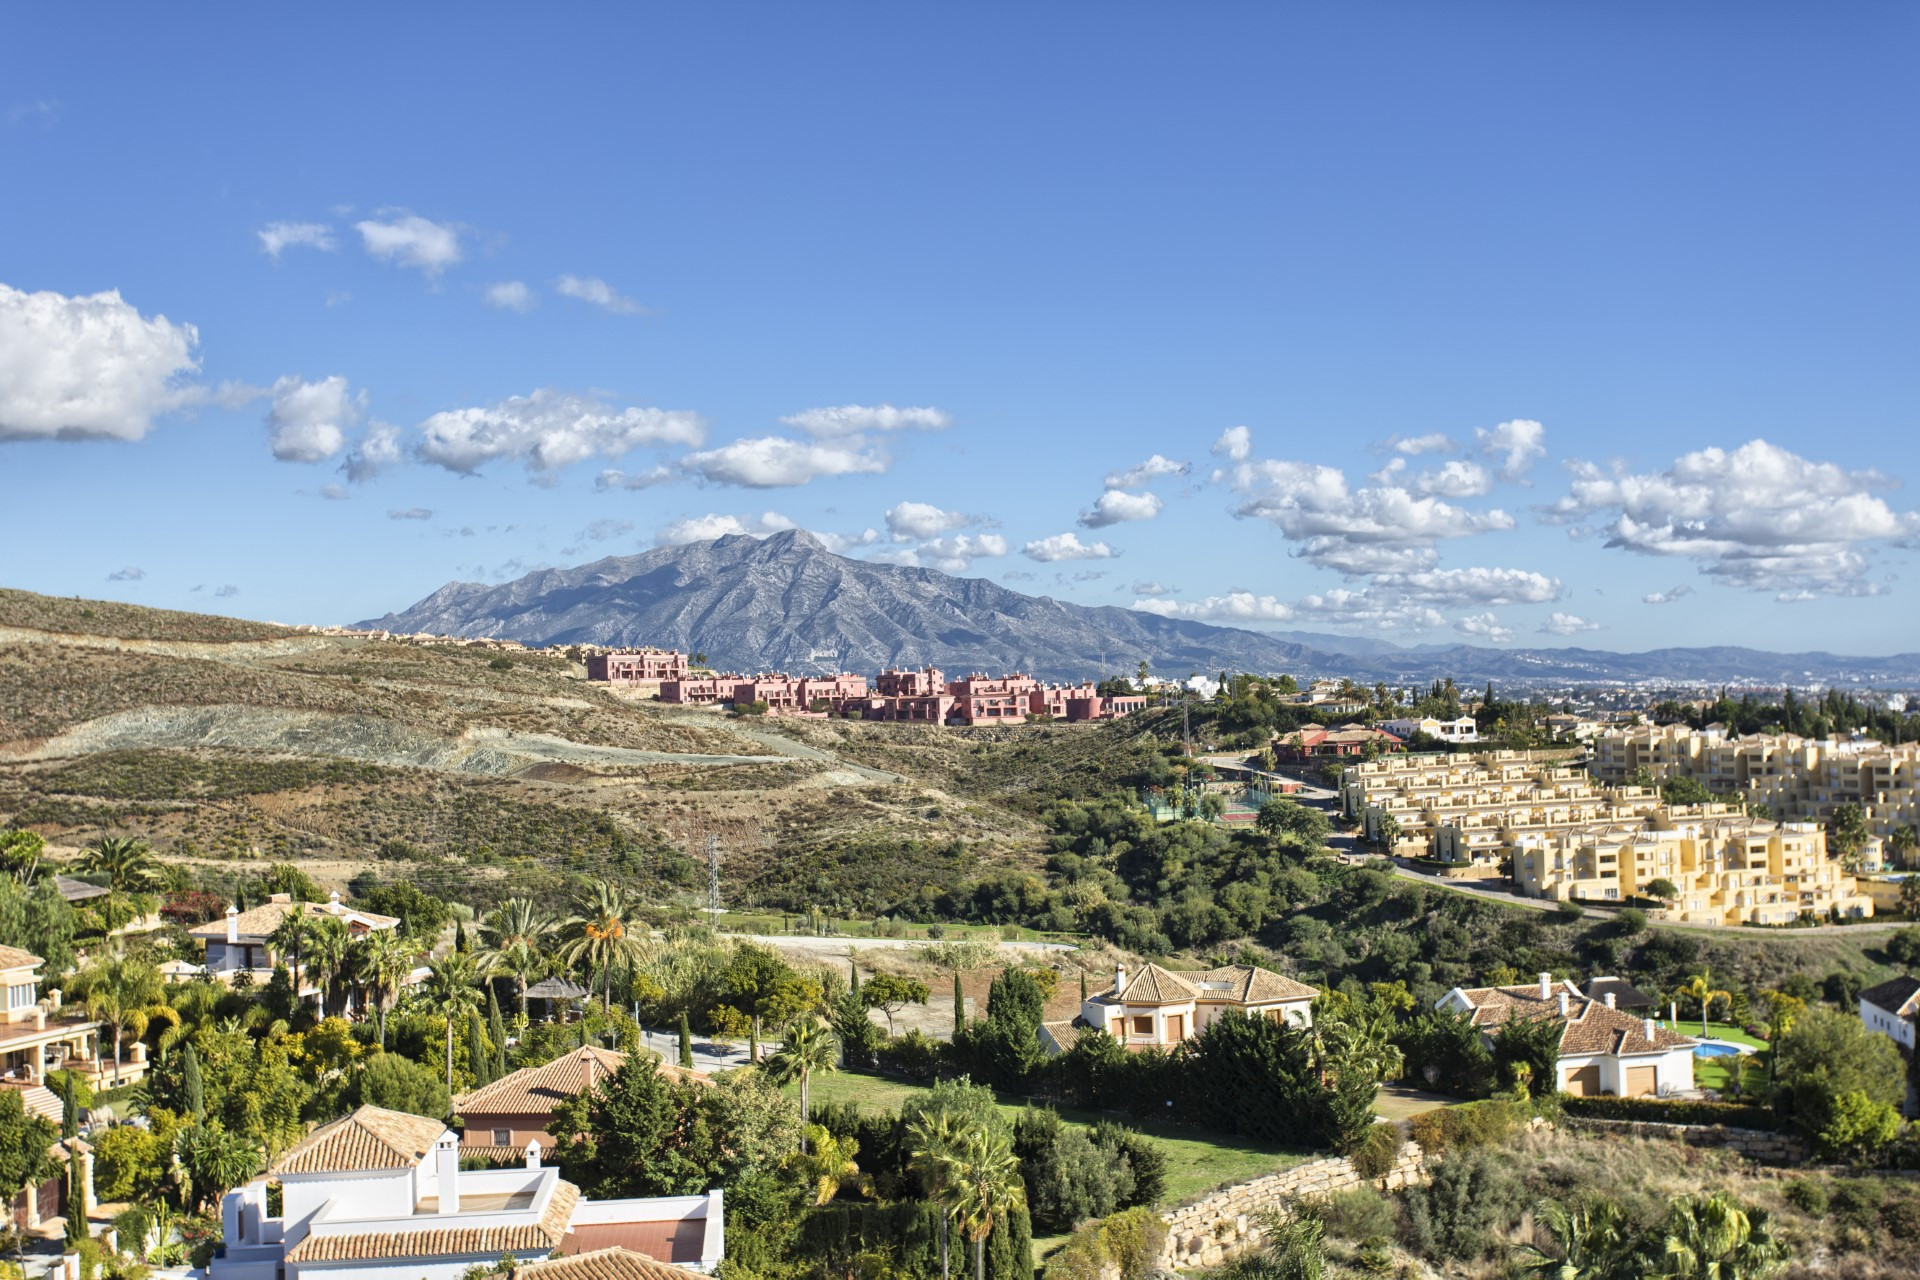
{"points": [[536, 1091], [1250, 984], [444, 1242], [15, 958], [1588, 1026], [602, 1264], [261, 921], [370, 1138]]}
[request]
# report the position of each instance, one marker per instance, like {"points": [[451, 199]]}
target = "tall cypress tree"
{"points": [[193, 1091], [497, 1031], [686, 1042], [69, 1107], [477, 1060], [853, 968], [959, 1006]]}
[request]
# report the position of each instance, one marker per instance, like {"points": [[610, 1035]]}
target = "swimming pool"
{"points": [[1716, 1050]]}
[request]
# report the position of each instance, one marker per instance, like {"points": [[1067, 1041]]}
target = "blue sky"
{"points": [[1520, 324]]}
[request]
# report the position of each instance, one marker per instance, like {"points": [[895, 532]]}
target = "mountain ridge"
{"points": [[787, 602]]}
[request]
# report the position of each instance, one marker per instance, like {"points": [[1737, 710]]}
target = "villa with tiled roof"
{"points": [[1158, 1008], [503, 1117], [381, 1194], [241, 942], [1891, 1007], [1603, 1049], [601, 1264]]}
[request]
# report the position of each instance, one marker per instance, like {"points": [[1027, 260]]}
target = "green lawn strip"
{"points": [[1715, 1031], [1197, 1161]]}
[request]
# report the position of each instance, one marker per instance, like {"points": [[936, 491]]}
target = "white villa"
{"points": [[1890, 1008], [240, 942], [1603, 1050], [1464, 729], [1158, 1008], [380, 1195]]}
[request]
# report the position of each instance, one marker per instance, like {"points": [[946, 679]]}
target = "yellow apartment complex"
{"points": [[1565, 836], [1798, 779]]}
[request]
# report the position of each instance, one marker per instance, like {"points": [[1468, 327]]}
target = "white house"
{"points": [[1465, 729], [1158, 1008], [1890, 1008], [380, 1195], [1603, 1050], [242, 940]]}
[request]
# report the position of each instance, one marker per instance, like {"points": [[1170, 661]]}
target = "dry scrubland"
{"points": [[218, 739]]}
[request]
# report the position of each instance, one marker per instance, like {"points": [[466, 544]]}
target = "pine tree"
{"points": [[853, 968], [193, 1091], [959, 1007], [686, 1042]]}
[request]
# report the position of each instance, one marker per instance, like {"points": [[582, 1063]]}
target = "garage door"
{"points": [[1584, 1082], [1642, 1081]]}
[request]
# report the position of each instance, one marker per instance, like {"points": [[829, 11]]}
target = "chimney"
{"points": [[1119, 978], [1611, 998], [1546, 986], [449, 1175], [233, 924], [1649, 1028], [333, 902], [590, 1069], [533, 1153], [1563, 1004]]}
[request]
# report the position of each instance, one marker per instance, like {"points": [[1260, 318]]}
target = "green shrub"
{"points": [[1733, 1115], [1856, 1200], [1474, 1197], [1471, 1124], [1357, 1215], [1127, 1243], [1373, 1155], [1808, 1195], [1901, 1218]]}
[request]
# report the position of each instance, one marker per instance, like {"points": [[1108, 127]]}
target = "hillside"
{"points": [[786, 602], [229, 743]]}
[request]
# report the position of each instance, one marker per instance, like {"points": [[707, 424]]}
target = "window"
{"points": [[20, 996], [1143, 1026], [503, 1137]]}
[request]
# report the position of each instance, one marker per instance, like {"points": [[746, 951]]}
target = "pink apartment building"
{"points": [[923, 696], [640, 666]]}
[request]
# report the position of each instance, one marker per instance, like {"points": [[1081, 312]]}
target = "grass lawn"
{"points": [[1197, 1161], [1717, 1073], [1715, 1031], [1397, 1102]]}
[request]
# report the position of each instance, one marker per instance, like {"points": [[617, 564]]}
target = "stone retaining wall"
{"points": [[1754, 1144], [1223, 1225]]}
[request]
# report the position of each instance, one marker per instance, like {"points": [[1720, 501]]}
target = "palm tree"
{"points": [[1592, 1241], [1700, 987], [290, 937], [516, 932], [986, 1186], [1713, 1238], [328, 949], [127, 866], [932, 1140], [810, 1045], [452, 991], [601, 938], [381, 962], [125, 995], [825, 1163]]}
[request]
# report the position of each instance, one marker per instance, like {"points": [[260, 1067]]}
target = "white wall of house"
{"points": [[1887, 1023], [1673, 1070]]}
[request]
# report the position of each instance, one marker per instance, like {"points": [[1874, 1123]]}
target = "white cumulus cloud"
{"points": [[278, 236], [1067, 546], [1235, 606], [308, 421], [1517, 444], [549, 429], [1235, 444], [1150, 470], [1483, 626], [1456, 479], [861, 419], [88, 367], [1117, 505], [510, 295], [1668, 596], [911, 521], [775, 462], [379, 449], [1758, 517], [1432, 442], [712, 525], [1566, 624], [957, 552], [597, 292], [408, 240], [1455, 588]]}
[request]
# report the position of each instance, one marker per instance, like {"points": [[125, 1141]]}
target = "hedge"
{"points": [[1733, 1115], [908, 1235]]}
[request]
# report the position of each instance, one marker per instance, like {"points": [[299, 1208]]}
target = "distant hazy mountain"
{"points": [[787, 603]]}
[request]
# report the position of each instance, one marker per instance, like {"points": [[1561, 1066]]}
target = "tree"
{"points": [[933, 1140], [20, 854], [1289, 820], [1700, 988], [192, 1087], [26, 1142], [809, 1046], [382, 961], [601, 938], [479, 1061], [1910, 895], [127, 867], [125, 994], [213, 1160], [1712, 1237], [397, 1083], [686, 1042], [1903, 844], [1847, 833], [985, 1178], [1821, 1059], [329, 949], [959, 1006], [1663, 889], [289, 938], [516, 934], [1389, 832], [888, 992], [824, 1163], [451, 991]]}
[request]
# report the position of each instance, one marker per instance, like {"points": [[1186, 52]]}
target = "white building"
{"points": [[1158, 1008], [1465, 729], [1603, 1050], [380, 1195], [1890, 1008]]}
